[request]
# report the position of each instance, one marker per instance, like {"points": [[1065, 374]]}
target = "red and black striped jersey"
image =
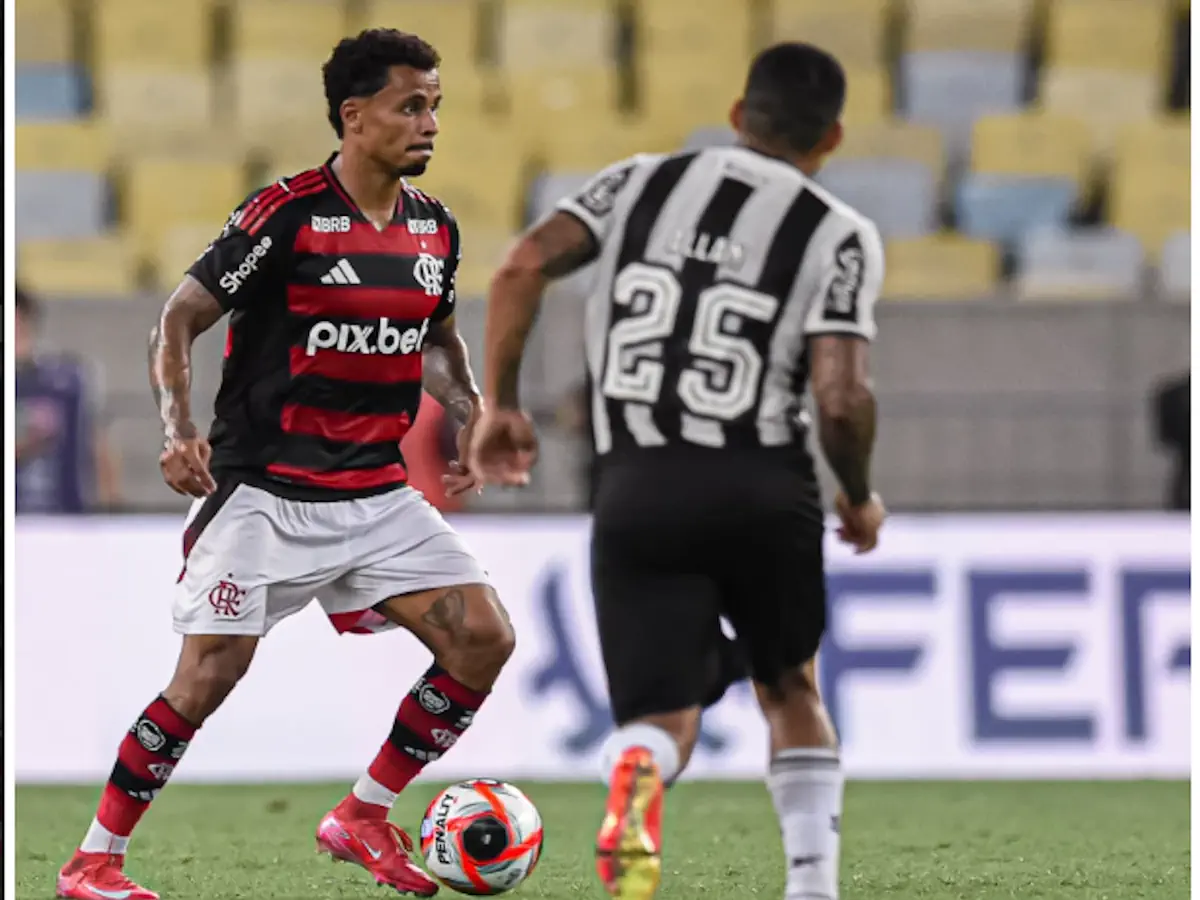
{"points": [[329, 314]]}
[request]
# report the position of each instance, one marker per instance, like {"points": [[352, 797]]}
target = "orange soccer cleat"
{"points": [[98, 876], [629, 844]]}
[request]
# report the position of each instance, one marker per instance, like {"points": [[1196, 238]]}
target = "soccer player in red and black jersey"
{"points": [[339, 284]]}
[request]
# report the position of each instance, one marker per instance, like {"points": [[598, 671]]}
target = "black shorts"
{"points": [[673, 551]]}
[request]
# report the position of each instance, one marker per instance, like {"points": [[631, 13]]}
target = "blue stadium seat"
{"points": [[899, 194], [709, 137], [1175, 268], [1003, 207], [60, 205], [951, 89], [1058, 263], [50, 92]]}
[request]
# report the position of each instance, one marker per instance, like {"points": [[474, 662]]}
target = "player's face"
{"points": [[399, 123]]}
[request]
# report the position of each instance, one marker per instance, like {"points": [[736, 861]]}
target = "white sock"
{"points": [[100, 840], [368, 790], [660, 744], [806, 785]]}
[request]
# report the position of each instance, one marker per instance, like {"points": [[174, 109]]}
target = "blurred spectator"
{"points": [[64, 462], [428, 448], [1173, 415]]}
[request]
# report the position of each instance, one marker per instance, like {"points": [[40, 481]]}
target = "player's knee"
{"points": [[791, 686], [490, 641], [205, 676]]}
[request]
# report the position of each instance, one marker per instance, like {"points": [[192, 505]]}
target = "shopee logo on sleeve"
{"points": [[233, 280], [366, 339]]}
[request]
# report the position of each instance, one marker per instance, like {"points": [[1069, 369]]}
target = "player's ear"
{"points": [[352, 116], [735, 115], [832, 140]]}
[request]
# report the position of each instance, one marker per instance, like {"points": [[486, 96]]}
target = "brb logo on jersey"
{"points": [[366, 339], [428, 271], [233, 280]]}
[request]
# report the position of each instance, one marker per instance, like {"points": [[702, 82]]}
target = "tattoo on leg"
{"points": [[448, 613]]}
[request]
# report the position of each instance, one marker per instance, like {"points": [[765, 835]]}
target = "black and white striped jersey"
{"points": [[714, 268]]}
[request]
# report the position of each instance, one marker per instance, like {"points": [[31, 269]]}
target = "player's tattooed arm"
{"points": [[188, 313], [552, 249], [846, 410], [446, 374]]}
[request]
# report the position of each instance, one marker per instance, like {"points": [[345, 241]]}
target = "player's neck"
{"points": [[806, 164], [373, 190]]}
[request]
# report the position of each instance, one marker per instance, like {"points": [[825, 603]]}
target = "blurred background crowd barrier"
{"points": [[1028, 162]]}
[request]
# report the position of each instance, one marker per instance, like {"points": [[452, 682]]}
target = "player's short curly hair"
{"points": [[794, 93], [359, 65]]}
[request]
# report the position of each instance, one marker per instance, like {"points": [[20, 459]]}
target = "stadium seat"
{"points": [[100, 267], [677, 95], [160, 194], [1108, 34], [1079, 264], [1005, 207], [895, 139], [549, 35], [174, 36], [477, 170], [941, 267], [49, 91], [47, 32], [868, 96], [1106, 100], [452, 26], [177, 248], [1040, 145], [279, 104], [899, 194], [950, 90], [1162, 142], [307, 30], [542, 103], [1150, 182], [60, 205], [483, 251], [159, 112], [997, 26], [1175, 268], [81, 145], [855, 31], [590, 141], [710, 137]]}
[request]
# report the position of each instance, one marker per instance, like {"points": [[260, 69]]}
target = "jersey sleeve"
{"points": [[595, 203], [445, 307], [851, 277], [248, 252]]}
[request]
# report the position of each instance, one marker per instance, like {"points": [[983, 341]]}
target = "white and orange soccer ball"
{"points": [[481, 837]]}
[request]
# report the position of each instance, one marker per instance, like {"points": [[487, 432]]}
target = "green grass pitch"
{"points": [[933, 841]]}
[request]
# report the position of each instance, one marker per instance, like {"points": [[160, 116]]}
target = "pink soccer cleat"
{"points": [[378, 846], [98, 876]]}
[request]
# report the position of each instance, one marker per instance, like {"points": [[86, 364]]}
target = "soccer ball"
{"points": [[481, 837]]}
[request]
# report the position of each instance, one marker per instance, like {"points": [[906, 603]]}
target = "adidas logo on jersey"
{"points": [[342, 273], [366, 339]]}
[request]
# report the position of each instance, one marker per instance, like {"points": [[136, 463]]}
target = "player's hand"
{"points": [[860, 524], [462, 477], [184, 465], [503, 447]]}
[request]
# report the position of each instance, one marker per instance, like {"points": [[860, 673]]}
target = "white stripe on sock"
{"points": [[100, 840], [660, 744], [368, 790]]}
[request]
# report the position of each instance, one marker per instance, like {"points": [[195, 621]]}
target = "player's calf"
{"points": [[805, 781]]}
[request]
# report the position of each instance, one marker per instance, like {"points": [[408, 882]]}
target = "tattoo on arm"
{"points": [[446, 374], [555, 248], [189, 312], [846, 411]]}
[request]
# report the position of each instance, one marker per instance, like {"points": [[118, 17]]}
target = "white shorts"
{"points": [[252, 559]]}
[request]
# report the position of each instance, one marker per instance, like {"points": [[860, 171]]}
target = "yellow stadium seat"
{"points": [[868, 96], [1150, 191], [538, 35], [941, 267], [286, 29], [97, 267], [543, 101], [478, 170], [161, 112], [852, 30], [452, 26], [79, 146], [171, 36], [999, 26], [177, 248], [1109, 34], [1104, 99], [483, 250], [583, 141], [896, 139], [1031, 144], [160, 194], [45, 31], [713, 35], [680, 94], [1164, 142], [279, 104]]}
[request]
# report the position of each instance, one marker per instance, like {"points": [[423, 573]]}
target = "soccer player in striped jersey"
{"points": [[339, 286], [728, 282]]}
